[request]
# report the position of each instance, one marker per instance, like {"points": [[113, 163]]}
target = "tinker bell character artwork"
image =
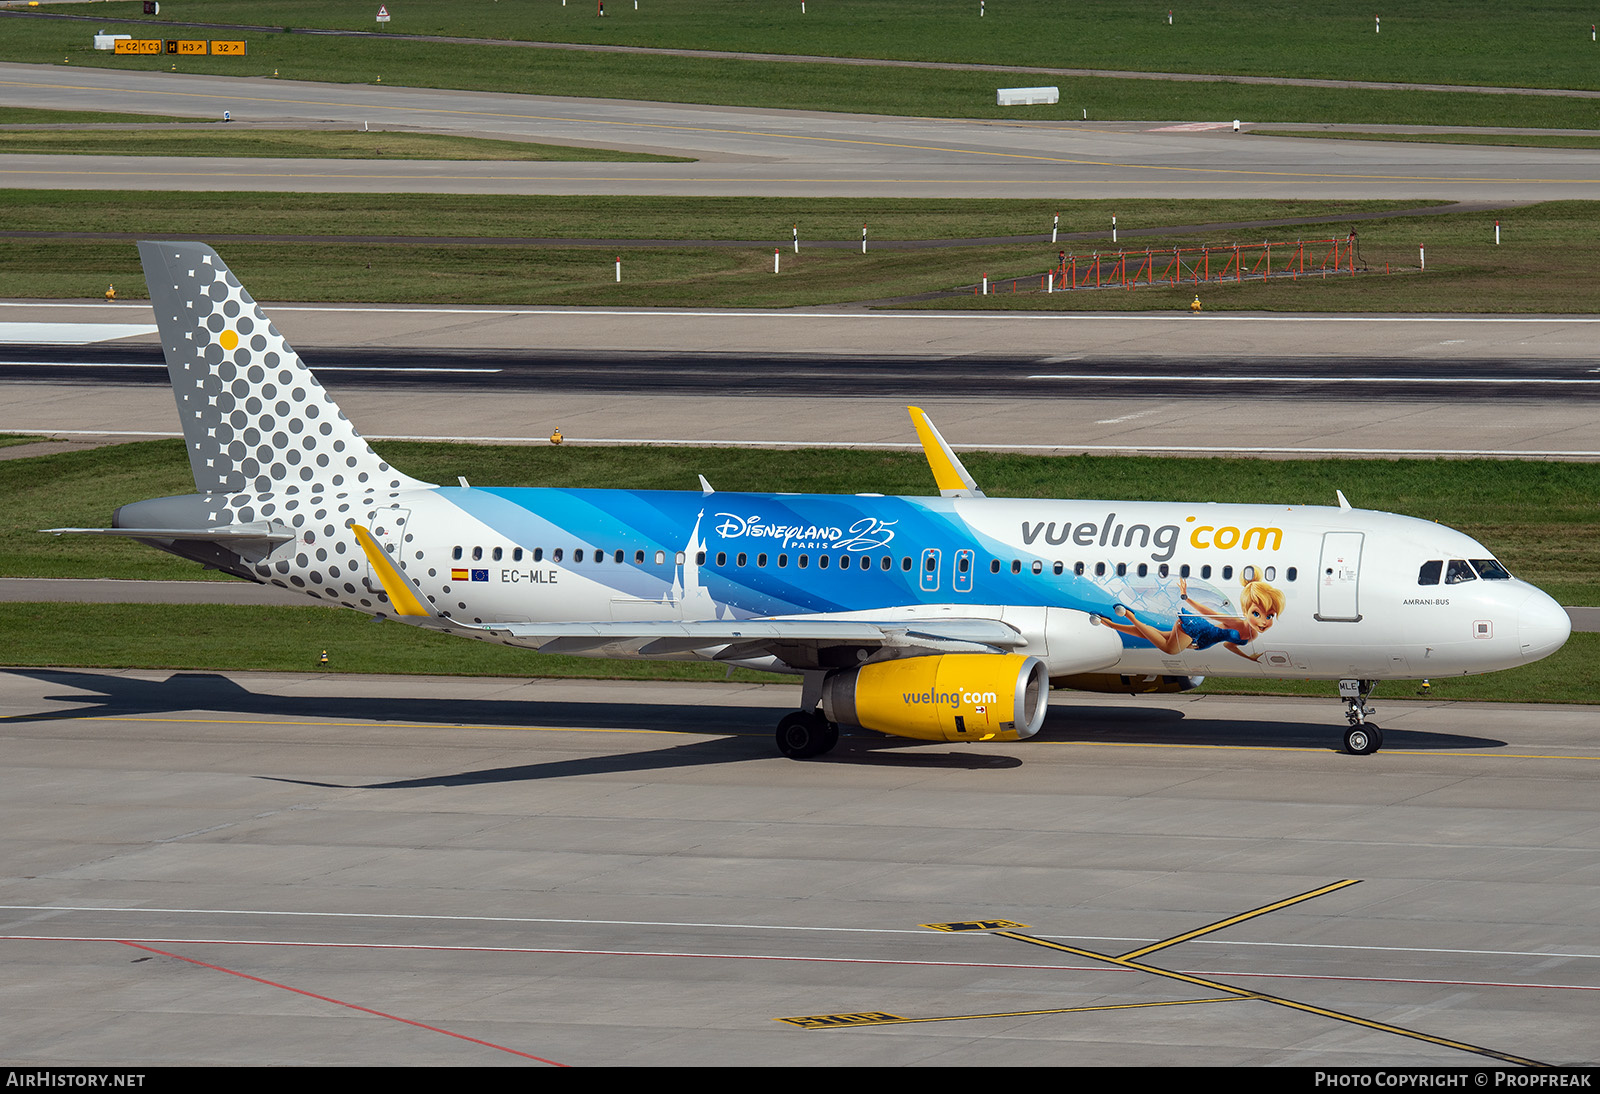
{"points": [[1199, 627]]}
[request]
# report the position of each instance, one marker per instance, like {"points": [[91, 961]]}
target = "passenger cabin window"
{"points": [[497, 554], [538, 554], [1458, 571], [1430, 572], [456, 554], [555, 556], [477, 554], [516, 554]]}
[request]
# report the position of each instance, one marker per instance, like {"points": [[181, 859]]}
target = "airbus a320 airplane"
{"points": [[946, 619]]}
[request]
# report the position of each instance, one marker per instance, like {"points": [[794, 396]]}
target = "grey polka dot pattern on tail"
{"points": [[255, 419]]}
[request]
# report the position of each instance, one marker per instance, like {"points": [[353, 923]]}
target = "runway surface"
{"points": [[748, 152], [248, 869], [1268, 385]]}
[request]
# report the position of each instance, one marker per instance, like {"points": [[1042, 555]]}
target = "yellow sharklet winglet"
{"points": [[402, 594], [952, 478]]}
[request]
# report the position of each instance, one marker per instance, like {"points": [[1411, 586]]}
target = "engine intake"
{"points": [[948, 697]]}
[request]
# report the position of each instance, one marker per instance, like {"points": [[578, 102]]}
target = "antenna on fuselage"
{"points": [[1343, 504], [949, 475]]}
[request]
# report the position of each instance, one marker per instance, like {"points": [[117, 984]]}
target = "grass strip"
{"points": [[28, 115], [1462, 42], [860, 89], [609, 217], [1543, 263], [1539, 518], [305, 144], [227, 637], [1535, 270], [1515, 140]]}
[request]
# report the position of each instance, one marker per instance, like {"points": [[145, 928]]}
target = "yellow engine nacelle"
{"points": [[948, 697]]}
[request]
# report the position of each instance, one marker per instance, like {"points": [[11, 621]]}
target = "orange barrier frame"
{"points": [[1237, 262]]}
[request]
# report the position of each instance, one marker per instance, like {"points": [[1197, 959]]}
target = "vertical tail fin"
{"points": [[255, 419]]}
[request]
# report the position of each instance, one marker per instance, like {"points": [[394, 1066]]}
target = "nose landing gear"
{"points": [[1362, 738]]}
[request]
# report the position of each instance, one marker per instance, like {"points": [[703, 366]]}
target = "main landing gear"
{"points": [[805, 734], [1362, 738]]}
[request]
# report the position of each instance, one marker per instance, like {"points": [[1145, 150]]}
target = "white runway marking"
{"points": [[1064, 446], [1129, 417], [320, 368], [970, 317], [1243, 378]]}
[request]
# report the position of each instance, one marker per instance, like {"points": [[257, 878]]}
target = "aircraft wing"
{"points": [[793, 640]]}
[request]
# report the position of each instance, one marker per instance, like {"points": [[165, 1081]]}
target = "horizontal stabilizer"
{"points": [[227, 533]]}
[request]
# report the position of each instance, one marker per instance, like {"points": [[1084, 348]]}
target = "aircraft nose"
{"points": [[1543, 626]]}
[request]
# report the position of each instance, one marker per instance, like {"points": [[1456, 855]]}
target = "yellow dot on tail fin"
{"points": [[228, 339]]}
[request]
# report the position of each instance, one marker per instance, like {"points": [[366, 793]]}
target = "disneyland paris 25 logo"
{"points": [[866, 534]]}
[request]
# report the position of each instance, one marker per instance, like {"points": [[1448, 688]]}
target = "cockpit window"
{"points": [[1429, 574], [1459, 571], [1490, 570]]}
